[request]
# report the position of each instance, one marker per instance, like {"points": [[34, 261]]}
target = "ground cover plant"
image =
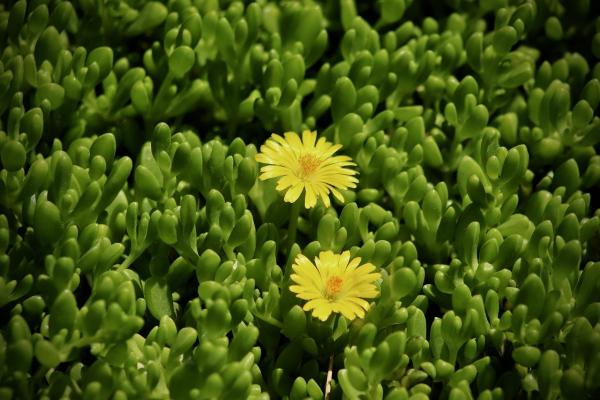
{"points": [[389, 199]]}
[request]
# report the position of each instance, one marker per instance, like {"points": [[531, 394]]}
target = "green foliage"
{"points": [[141, 258]]}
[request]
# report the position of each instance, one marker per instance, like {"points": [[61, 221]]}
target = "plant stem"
{"points": [[329, 378], [293, 224], [131, 257], [269, 319], [229, 252]]}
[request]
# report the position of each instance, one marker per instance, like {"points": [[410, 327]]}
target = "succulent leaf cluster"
{"points": [[142, 258]]}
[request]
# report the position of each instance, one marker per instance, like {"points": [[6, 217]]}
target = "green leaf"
{"points": [[181, 61], [105, 146], [549, 364], [243, 341], [404, 282], [416, 325], [16, 18], [467, 168], [158, 297], [517, 224], [246, 175], [476, 191], [152, 15], [348, 13], [431, 153], [352, 381], [378, 362], [461, 298], [294, 323], [582, 114], [103, 57], [343, 98], [34, 305], [48, 46], [469, 242], [63, 312], [218, 318], [184, 379], [207, 265], [226, 42], [366, 335], [118, 176], [239, 310], [243, 230], [32, 123], [52, 92], [591, 93], [298, 390], [474, 48], [567, 175], [47, 222], [568, 258], [476, 121], [553, 28], [140, 97], [572, 382], [392, 10], [532, 294], [147, 184], [47, 354], [12, 155], [527, 355], [20, 354], [504, 38], [64, 16]]}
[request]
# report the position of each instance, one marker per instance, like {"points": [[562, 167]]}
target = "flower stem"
{"points": [[293, 224], [329, 379]]}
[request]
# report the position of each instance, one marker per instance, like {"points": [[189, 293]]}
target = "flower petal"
{"points": [[294, 192]]}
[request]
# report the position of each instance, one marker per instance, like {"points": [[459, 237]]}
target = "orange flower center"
{"points": [[308, 164], [333, 286]]}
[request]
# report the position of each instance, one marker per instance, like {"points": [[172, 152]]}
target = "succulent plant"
{"points": [[141, 257]]}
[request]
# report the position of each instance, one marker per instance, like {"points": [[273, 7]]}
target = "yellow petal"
{"points": [[310, 199], [303, 267], [306, 281], [357, 301], [294, 140], [323, 312], [294, 192], [345, 310], [308, 139], [286, 181], [274, 171], [308, 295]]}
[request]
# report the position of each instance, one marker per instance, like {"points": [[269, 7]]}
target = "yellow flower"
{"points": [[308, 165], [336, 284]]}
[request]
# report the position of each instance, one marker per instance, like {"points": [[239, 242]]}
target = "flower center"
{"points": [[333, 286], [308, 164]]}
